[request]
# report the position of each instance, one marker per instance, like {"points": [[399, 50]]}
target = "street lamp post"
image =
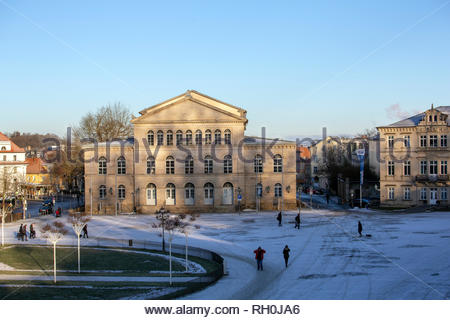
{"points": [[239, 198], [162, 215]]}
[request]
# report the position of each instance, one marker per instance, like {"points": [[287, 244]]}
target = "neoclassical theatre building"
{"points": [[190, 154]]}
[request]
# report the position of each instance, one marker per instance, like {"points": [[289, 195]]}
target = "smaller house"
{"points": [[37, 178]]}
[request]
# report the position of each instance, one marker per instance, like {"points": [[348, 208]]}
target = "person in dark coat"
{"points": [[32, 232], [279, 218], [85, 231], [360, 228], [286, 251], [297, 221], [20, 235], [259, 256], [24, 232]]}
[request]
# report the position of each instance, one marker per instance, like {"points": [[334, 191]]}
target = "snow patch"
{"points": [[5, 267]]}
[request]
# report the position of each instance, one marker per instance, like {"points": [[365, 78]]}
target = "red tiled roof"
{"points": [[304, 152], [14, 147], [35, 166]]}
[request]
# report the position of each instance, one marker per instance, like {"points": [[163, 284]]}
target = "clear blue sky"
{"points": [[294, 66]]}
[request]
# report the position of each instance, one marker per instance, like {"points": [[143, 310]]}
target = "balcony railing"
{"points": [[432, 177]]}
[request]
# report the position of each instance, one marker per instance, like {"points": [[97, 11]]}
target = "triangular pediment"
{"points": [[191, 107]]}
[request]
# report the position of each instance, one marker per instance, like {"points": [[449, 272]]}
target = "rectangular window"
{"points": [[433, 141], [179, 137], [407, 141], [188, 138], [407, 193], [444, 141], [390, 142], [391, 168], [15, 158], [444, 167], [423, 167], [391, 194], [208, 166], [433, 167], [423, 141], [151, 166], [444, 194], [160, 138], [423, 194], [169, 138], [315, 170], [407, 168]]}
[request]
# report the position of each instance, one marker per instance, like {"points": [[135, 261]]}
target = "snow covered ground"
{"points": [[406, 257]]}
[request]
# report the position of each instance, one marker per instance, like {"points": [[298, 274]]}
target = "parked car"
{"points": [[45, 209]]}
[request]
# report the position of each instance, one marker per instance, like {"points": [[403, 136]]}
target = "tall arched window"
{"points": [[209, 193], [121, 165], [102, 192], [160, 138], [189, 193], [169, 138], [217, 137], [278, 190], [170, 165], [179, 137], [151, 165], [208, 136], [208, 164], [3, 148], [170, 194], [228, 164], [258, 164], [150, 138], [121, 192], [188, 137], [151, 194], [227, 136], [189, 165], [277, 163], [102, 166], [227, 197], [198, 137]]}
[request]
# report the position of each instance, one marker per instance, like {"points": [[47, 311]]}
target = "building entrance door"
{"points": [[433, 196]]}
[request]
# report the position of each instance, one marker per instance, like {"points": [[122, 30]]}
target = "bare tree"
{"points": [[78, 221], [10, 184], [172, 224], [186, 227], [107, 123], [54, 233]]}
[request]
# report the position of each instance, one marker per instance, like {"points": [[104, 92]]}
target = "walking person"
{"points": [[259, 256], [360, 228], [20, 235], [24, 230], [32, 232], [286, 251], [85, 231], [279, 218], [297, 221]]}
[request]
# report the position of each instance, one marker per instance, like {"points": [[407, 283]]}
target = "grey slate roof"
{"points": [[414, 120]]}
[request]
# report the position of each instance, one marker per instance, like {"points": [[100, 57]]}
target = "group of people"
{"points": [[259, 253], [296, 220], [259, 256], [23, 235]]}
